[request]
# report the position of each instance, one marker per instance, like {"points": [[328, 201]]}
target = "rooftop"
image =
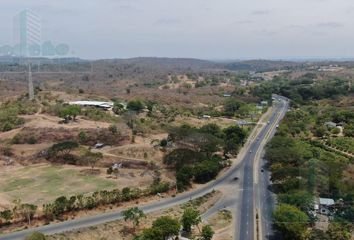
{"points": [[326, 201], [92, 103]]}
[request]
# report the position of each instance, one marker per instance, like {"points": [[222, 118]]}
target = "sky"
{"points": [[205, 29]]}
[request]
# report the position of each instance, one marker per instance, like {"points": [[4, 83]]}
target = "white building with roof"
{"points": [[325, 205], [98, 104]]}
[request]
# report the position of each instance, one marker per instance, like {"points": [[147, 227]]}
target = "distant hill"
{"points": [[150, 68], [261, 65]]}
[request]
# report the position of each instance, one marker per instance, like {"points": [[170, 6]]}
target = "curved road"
{"points": [[247, 205]]}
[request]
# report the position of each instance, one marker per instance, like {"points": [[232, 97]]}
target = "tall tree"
{"points": [[91, 158], [191, 217], [134, 215], [167, 226], [235, 137], [290, 221]]}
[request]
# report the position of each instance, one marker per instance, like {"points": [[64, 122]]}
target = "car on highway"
{"points": [[235, 178]]}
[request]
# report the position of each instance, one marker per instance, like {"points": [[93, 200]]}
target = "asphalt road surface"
{"points": [[247, 207], [246, 228]]}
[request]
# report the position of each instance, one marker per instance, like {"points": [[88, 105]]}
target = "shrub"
{"points": [[163, 143], [113, 129], [109, 170], [32, 140], [15, 139], [159, 188], [36, 236], [82, 137], [135, 105], [7, 127]]}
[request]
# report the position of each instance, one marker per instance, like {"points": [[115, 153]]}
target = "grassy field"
{"points": [[43, 183]]}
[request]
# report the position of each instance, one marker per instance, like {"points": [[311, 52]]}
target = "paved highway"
{"points": [[245, 163], [266, 198], [256, 199]]}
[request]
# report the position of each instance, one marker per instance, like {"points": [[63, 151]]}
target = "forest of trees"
{"points": [[302, 168], [195, 158]]}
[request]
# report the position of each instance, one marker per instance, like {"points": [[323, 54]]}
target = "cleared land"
{"points": [[43, 183]]}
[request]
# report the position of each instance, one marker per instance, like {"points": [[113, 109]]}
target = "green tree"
{"points": [[36, 236], [320, 131], [300, 199], [191, 217], [203, 143], [60, 205], [62, 149], [28, 211], [339, 231], [163, 143], [134, 215], [167, 226], [335, 131], [113, 129], [82, 137], [290, 221], [205, 171], [184, 177], [181, 157], [118, 108], [231, 107], [71, 111], [135, 105], [151, 234], [207, 233], [212, 129], [235, 137], [317, 234], [91, 158], [7, 215], [126, 194]]}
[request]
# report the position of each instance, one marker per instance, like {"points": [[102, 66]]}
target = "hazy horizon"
{"points": [[202, 29]]}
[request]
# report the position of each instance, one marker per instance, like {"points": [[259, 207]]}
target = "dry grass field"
{"points": [[42, 183]]}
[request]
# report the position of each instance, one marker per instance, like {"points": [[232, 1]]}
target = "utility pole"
{"points": [[30, 83]]}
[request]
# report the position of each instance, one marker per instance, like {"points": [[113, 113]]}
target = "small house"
{"points": [[330, 124], [99, 145], [97, 104], [325, 206], [242, 123]]}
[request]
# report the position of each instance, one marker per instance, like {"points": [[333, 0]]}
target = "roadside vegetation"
{"points": [[303, 168], [200, 153]]}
